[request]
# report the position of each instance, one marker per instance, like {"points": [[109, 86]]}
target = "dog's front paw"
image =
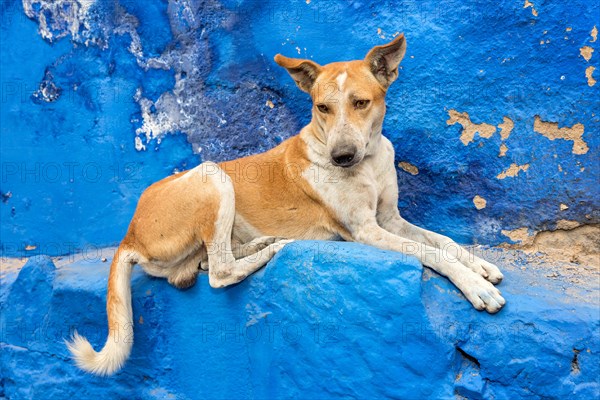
{"points": [[493, 273], [481, 293], [487, 270]]}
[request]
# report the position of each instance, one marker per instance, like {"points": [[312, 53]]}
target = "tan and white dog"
{"points": [[334, 180]]}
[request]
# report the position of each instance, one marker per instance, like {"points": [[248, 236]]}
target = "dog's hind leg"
{"points": [[254, 246], [223, 268], [185, 274]]}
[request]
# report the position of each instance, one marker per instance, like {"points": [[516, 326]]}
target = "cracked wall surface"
{"points": [[569, 242], [100, 99]]}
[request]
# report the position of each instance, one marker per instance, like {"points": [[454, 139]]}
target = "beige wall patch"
{"points": [[586, 52], [512, 171], [480, 202], [411, 169], [533, 10], [553, 132], [469, 128], [520, 235], [570, 242], [506, 128], [566, 224], [589, 71], [503, 150]]}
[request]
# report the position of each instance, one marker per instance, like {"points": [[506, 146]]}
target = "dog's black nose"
{"points": [[343, 158]]}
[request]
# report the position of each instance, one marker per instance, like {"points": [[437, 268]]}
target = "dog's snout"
{"points": [[344, 157]]}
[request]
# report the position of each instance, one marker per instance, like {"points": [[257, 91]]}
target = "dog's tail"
{"points": [[118, 308]]}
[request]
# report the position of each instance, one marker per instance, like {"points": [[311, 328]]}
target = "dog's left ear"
{"points": [[384, 60], [304, 72]]}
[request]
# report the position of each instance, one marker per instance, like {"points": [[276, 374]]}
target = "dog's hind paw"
{"points": [[255, 246], [280, 244]]}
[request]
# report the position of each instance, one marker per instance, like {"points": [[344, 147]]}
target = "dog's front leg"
{"points": [[481, 293], [389, 218], [394, 223]]}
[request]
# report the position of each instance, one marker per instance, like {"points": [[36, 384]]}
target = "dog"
{"points": [[335, 180]]}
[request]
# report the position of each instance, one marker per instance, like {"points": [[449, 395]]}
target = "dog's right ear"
{"points": [[304, 72]]}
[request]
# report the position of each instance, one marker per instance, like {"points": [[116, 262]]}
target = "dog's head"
{"points": [[348, 98]]}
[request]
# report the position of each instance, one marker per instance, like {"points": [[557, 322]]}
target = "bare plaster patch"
{"points": [[503, 150], [589, 71], [411, 169], [480, 202], [553, 132], [506, 128], [512, 171], [530, 4], [586, 52], [469, 128], [571, 242]]}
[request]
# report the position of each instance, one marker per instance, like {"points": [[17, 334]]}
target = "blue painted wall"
{"points": [[99, 102], [323, 320]]}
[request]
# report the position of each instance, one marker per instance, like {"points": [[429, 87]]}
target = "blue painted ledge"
{"points": [[322, 320]]}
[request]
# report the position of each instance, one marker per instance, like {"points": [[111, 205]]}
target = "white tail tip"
{"points": [[106, 362]]}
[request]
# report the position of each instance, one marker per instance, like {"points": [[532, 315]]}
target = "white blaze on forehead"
{"points": [[341, 79]]}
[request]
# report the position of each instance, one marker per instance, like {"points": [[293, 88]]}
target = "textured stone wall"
{"points": [[494, 117], [321, 320]]}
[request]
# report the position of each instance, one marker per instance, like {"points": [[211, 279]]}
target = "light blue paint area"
{"points": [[206, 69], [70, 165], [321, 320]]}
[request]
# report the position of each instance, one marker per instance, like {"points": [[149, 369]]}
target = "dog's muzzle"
{"points": [[344, 157]]}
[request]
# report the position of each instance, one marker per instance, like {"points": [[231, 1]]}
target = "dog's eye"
{"points": [[359, 104], [323, 108]]}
